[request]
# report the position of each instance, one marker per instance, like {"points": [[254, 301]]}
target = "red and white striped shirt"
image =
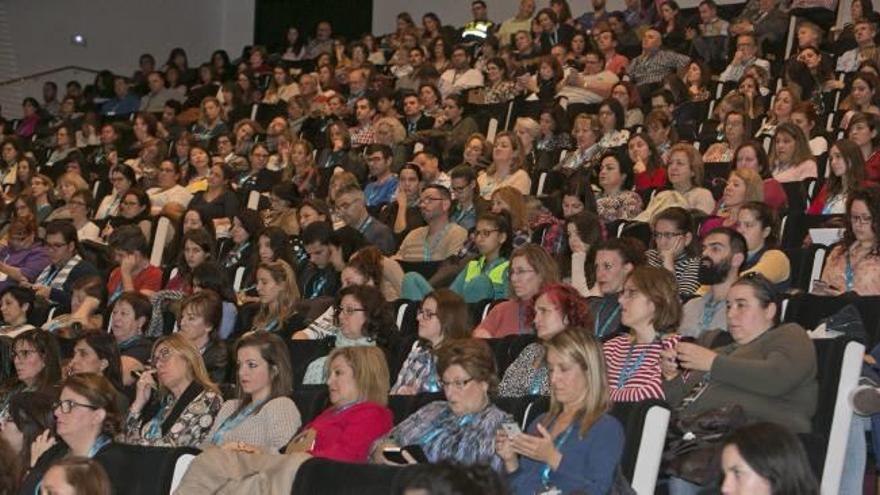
{"points": [[640, 365]]}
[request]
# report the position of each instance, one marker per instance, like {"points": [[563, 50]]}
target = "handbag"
{"points": [[694, 443]]}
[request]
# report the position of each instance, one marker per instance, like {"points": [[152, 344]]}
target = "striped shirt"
{"points": [[687, 270], [637, 366]]}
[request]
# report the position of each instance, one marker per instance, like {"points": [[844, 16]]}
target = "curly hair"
{"points": [[569, 302], [379, 323]]}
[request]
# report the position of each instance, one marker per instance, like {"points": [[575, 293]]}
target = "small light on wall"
{"points": [[78, 39]]}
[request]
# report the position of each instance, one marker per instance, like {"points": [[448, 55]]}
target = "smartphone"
{"points": [[511, 429], [416, 452], [395, 454]]}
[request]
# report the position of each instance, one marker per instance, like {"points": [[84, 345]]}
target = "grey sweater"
{"points": [[772, 377]]}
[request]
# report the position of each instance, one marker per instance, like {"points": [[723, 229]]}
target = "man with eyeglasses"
{"points": [[724, 252], [429, 165], [648, 69], [468, 204], [593, 84], [54, 284], [351, 208], [441, 238], [461, 76], [383, 188], [746, 56]]}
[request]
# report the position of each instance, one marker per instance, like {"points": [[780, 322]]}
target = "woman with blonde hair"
{"points": [[780, 113], [390, 132], [528, 130], [506, 168], [358, 380], [68, 184], [577, 445], [182, 410], [743, 185], [210, 123], [279, 295]]}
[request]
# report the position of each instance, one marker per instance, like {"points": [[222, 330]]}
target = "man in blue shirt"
{"points": [[124, 102], [383, 188]]}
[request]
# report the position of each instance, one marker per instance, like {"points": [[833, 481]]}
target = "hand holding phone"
{"points": [[511, 429]]}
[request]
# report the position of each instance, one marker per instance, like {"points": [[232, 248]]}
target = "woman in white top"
{"points": [[122, 178], [168, 188], [790, 157], [506, 168], [79, 206]]}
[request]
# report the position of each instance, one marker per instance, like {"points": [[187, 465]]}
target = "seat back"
{"points": [[318, 475], [163, 231], [310, 400], [809, 310], [506, 349], [402, 406], [645, 424], [839, 367], [303, 352], [180, 469], [524, 409], [140, 470]]}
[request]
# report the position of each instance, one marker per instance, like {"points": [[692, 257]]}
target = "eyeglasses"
{"points": [[424, 313], [67, 405], [863, 219], [348, 310], [162, 356], [344, 206], [484, 233], [130, 203], [428, 199], [23, 353], [629, 293], [459, 190], [667, 235], [455, 384]]}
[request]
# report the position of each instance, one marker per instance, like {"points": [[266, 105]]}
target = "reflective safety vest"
{"points": [[495, 274]]}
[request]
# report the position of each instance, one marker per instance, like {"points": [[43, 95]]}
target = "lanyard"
{"points": [[709, 310], [232, 422], [155, 430], [50, 276], [849, 273], [432, 434], [318, 287], [431, 245], [545, 472], [99, 444], [538, 380], [341, 409], [125, 344], [272, 326], [362, 228], [628, 369], [600, 331], [460, 214]]}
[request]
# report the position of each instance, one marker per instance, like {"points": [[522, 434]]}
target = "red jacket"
{"points": [[347, 435]]}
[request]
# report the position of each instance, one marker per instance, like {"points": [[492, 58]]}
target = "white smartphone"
{"points": [[512, 429]]}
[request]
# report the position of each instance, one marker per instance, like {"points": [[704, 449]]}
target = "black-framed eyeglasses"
{"points": [[455, 384], [424, 313], [485, 232], [348, 310], [67, 405], [667, 235]]}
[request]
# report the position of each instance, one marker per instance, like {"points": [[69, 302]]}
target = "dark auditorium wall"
{"points": [[350, 18]]}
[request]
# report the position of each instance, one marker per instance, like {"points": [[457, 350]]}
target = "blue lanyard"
{"points": [[432, 434], [850, 274], [231, 422], [429, 246], [99, 444], [362, 228], [538, 380], [628, 369], [318, 287], [545, 472], [272, 326], [155, 430], [600, 331], [50, 275], [709, 310], [459, 215]]}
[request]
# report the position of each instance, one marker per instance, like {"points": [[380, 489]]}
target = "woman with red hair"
{"points": [[557, 307]]}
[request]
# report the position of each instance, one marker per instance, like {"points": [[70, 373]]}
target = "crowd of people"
{"points": [[604, 189]]}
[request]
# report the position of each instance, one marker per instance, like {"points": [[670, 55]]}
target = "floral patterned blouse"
{"points": [[501, 92], [188, 430]]}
